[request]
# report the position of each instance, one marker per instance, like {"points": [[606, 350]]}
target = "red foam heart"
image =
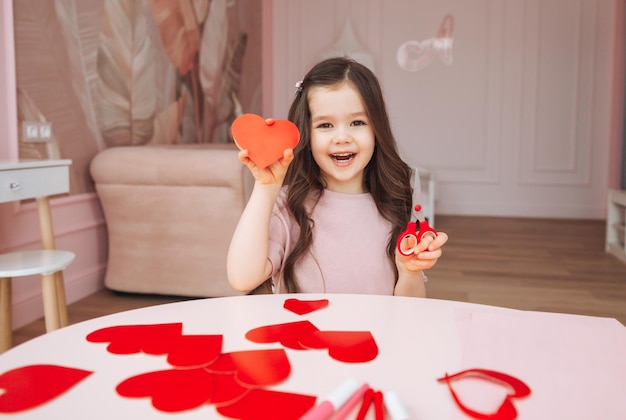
{"points": [[30, 386], [266, 404], [288, 334], [265, 142], [254, 367], [129, 339], [506, 411], [171, 390], [194, 350], [302, 307], [344, 346]]}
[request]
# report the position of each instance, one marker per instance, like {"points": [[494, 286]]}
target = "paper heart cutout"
{"points": [[226, 389], [507, 410], [130, 339], [265, 143], [275, 405], [30, 386], [344, 346], [288, 334], [194, 350], [302, 307], [170, 390], [254, 368]]}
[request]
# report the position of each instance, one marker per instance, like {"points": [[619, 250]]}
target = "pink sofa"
{"points": [[170, 214]]}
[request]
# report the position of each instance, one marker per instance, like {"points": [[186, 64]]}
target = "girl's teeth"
{"points": [[343, 156]]}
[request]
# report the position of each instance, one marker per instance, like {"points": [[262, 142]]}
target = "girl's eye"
{"points": [[359, 122], [324, 125]]}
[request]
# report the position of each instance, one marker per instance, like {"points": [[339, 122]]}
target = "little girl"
{"points": [[325, 218]]}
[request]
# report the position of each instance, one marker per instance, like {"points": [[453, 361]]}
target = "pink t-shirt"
{"points": [[348, 253]]}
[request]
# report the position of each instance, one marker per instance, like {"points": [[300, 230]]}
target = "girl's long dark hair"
{"points": [[387, 177]]}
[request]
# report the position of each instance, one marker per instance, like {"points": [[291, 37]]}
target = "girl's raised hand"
{"points": [[274, 173], [250, 130]]}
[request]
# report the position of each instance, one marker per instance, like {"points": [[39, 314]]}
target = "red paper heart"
{"points": [[30, 386], [254, 367], [506, 411], [226, 389], [194, 350], [288, 334], [265, 143], [302, 307], [171, 390], [344, 346], [129, 339], [265, 404]]}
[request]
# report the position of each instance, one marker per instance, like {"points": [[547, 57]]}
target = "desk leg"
{"points": [[6, 329], [45, 223], [47, 241]]}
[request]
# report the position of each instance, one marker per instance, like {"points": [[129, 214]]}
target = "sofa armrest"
{"points": [[170, 213]]}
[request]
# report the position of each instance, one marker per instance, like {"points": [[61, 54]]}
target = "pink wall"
{"points": [[77, 220], [617, 117], [8, 113]]}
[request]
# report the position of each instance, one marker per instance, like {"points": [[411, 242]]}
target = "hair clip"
{"points": [[299, 87]]}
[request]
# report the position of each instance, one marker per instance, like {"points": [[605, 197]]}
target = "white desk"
{"points": [[33, 178], [574, 365], [38, 179]]}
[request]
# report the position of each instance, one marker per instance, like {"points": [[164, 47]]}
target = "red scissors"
{"points": [[411, 236]]}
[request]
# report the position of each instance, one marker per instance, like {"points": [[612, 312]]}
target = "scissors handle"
{"points": [[411, 236]]}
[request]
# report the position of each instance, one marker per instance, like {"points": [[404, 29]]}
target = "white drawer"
{"points": [[33, 182]]}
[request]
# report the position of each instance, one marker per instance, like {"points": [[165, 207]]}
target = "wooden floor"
{"points": [[531, 264]]}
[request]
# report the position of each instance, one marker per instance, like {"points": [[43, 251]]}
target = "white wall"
{"points": [[524, 122]]}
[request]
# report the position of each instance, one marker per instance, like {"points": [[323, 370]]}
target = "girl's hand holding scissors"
{"points": [[419, 245]]}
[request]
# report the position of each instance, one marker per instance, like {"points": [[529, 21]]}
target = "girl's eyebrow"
{"points": [[360, 114], [316, 118]]}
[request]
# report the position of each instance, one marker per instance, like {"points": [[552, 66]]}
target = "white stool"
{"points": [[49, 263]]}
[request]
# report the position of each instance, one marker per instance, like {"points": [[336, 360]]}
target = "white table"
{"points": [[574, 365]]}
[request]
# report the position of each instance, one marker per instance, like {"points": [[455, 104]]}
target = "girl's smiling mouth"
{"points": [[343, 157]]}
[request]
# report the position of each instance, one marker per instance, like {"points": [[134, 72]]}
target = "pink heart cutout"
{"points": [[265, 143]]}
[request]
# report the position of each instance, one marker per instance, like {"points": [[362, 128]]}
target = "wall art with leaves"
{"points": [[110, 73]]}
